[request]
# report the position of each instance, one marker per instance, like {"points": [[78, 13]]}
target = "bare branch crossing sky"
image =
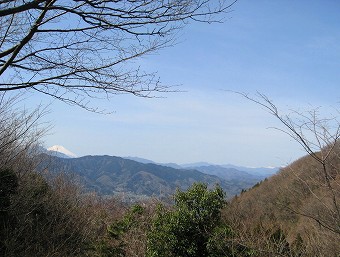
{"points": [[287, 50]]}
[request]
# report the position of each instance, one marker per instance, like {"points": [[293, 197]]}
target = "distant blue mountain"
{"points": [[109, 175], [259, 171], [241, 177], [137, 176], [196, 164], [138, 159]]}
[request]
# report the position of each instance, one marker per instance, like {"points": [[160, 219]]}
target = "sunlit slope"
{"points": [[302, 199]]}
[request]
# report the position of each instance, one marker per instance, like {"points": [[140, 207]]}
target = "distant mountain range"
{"points": [[136, 177], [259, 171], [109, 175]]}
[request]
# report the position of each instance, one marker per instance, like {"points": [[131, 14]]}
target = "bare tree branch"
{"points": [[52, 45], [319, 137]]}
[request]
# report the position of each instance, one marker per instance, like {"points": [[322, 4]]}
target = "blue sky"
{"points": [[288, 50]]}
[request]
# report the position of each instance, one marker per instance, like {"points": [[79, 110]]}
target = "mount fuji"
{"points": [[60, 151]]}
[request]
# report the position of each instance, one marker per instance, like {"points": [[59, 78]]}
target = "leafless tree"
{"points": [[319, 137], [37, 218], [20, 132], [79, 49]]}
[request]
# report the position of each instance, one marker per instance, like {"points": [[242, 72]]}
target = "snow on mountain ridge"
{"points": [[61, 149]]}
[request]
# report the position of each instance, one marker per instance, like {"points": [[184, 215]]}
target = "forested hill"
{"points": [[108, 175], [302, 200]]}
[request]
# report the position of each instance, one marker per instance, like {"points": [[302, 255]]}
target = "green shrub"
{"points": [[189, 229]]}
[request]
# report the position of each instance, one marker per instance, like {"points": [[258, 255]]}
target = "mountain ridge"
{"points": [[262, 171], [108, 175], [61, 151], [112, 175]]}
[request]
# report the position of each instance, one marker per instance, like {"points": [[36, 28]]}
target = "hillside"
{"points": [[238, 178], [302, 200], [108, 175]]}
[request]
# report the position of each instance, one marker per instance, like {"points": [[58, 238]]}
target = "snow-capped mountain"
{"points": [[61, 151]]}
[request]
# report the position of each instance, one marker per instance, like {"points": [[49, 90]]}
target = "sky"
{"points": [[287, 50]]}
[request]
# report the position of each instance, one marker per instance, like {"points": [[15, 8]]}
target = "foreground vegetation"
{"points": [[41, 217], [294, 213]]}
